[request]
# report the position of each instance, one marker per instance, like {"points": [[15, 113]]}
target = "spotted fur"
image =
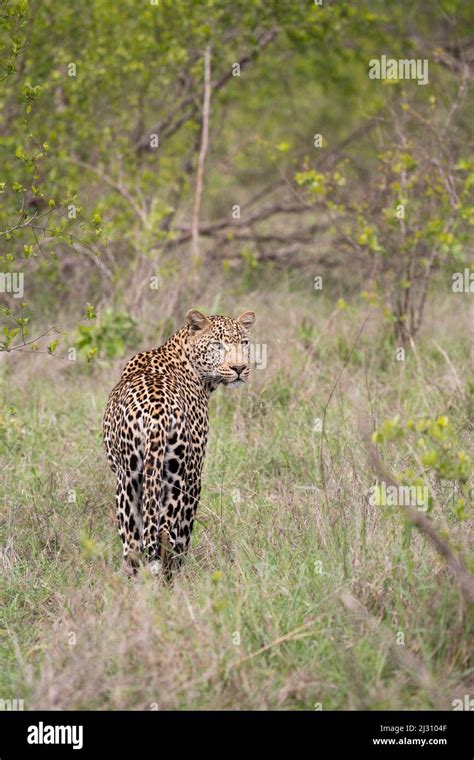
{"points": [[155, 433]]}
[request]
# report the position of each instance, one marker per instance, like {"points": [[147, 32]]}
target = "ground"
{"points": [[255, 619]]}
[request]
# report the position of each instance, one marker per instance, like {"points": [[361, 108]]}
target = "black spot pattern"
{"points": [[155, 434]]}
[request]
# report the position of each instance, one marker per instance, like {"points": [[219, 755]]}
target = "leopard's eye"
{"points": [[217, 345]]}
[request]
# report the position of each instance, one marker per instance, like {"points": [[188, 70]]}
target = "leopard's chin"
{"points": [[235, 383]]}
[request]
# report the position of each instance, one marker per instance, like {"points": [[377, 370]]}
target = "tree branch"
{"points": [[168, 125], [118, 186], [206, 107], [425, 526]]}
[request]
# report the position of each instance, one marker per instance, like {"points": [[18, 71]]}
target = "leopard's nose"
{"points": [[238, 368]]}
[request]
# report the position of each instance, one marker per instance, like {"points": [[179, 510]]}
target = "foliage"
{"points": [[109, 337], [416, 217], [268, 558], [434, 453], [87, 199], [100, 138]]}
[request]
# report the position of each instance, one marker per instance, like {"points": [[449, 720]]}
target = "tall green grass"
{"points": [[255, 618]]}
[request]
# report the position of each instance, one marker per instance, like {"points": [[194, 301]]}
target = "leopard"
{"points": [[155, 432]]}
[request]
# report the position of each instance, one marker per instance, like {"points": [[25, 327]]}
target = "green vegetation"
{"points": [[255, 620], [338, 208]]}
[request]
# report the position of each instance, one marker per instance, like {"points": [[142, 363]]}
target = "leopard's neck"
{"points": [[176, 347]]}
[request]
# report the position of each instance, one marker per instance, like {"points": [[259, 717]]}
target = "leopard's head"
{"points": [[218, 347]]}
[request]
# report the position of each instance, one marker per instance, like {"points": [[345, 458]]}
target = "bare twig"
{"points": [[118, 186], [202, 153], [405, 657], [296, 633], [187, 107], [425, 526], [210, 228]]}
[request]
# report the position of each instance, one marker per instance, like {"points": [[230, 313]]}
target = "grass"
{"points": [[255, 619]]}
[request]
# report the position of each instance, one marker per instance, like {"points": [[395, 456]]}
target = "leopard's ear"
{"points": [[196, 320], [247, 319]]}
